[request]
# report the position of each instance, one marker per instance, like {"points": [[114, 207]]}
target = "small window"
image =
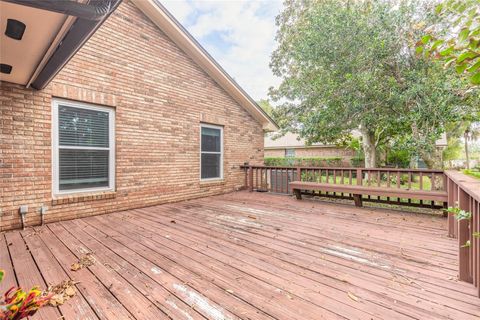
{"points": [[83, 148], [211, 152], [289, 153]]}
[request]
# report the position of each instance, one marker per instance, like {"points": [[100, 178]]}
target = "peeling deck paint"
{"points": [[174, 306], [200, 302], [355, 255], [245, 221], [156, 270]]}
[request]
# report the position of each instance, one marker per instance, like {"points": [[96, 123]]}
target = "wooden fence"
{"points": [[277, 180], [464, 193]]}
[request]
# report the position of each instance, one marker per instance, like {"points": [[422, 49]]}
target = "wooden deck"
{"points": [[249, 256]]}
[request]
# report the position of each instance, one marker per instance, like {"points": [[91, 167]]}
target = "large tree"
{"points": [[351, 65], [454, 40], [454, 37]]}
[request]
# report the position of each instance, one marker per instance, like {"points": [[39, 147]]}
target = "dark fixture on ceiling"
{"points": [[15, 29], [5, 68]]}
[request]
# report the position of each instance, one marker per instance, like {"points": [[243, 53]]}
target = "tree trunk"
{"points": [[433, 159], [369, 148], [413, 163], [467, 154]]}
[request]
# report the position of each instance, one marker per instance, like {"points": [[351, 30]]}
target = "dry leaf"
{"points": [[75, 266], [86, 260], [352, 296], [70, 291], [61, 292], [252, 217], [229, 291], [56, 300]]}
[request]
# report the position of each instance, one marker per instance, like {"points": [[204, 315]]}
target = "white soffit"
{"points": [[24, 55]]}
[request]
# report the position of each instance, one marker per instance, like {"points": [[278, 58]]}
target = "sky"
{"points": [[240, 35]]}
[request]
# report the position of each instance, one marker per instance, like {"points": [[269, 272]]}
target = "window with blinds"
{"points": [[211, 152], [83, 141]]}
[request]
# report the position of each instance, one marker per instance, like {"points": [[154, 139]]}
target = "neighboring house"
{"points": [[290, 145], [140, 115]]}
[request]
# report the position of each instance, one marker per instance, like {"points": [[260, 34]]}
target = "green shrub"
{"points": [[399, 158], [357, 162], [303, 161]]}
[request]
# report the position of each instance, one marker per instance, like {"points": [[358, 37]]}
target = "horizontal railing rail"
{"points": [[464, 194], [277, 179]]}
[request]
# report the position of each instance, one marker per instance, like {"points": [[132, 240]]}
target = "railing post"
{"points": [[464, 273], [250, 178], [359, 177], [299, 174]]}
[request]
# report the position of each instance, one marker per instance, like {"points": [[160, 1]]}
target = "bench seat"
{"points": [[358, 191]]}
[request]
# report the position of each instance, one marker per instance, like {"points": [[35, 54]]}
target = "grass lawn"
{"points": [[472, 173]]}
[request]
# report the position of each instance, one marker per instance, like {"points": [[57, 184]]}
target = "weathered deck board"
{"points": [[249, 256], [26, 270], [53, 274], [6, 264]]}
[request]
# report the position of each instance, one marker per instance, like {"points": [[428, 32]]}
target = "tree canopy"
{"points": [[351, 65], [455, 37]]}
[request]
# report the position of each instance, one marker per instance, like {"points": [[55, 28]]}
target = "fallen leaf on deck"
{"points": [[61, 292], [85, 261], [352, 296], [75, 266], [252, 217], [173, 221], [229, 291]]}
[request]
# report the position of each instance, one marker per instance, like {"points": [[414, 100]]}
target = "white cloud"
{"points": [[238, 34]]}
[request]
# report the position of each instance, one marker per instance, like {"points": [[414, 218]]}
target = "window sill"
{"points": [[83, 197], [211, 182]]}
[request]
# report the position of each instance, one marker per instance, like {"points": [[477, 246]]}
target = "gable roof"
{"points": [[185, 41], [289, 140]]}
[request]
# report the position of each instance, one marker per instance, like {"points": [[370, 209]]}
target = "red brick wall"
{"points": [[160, 98]]}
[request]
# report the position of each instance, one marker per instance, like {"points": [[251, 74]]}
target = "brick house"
{"points": [[136, 116], [289, 145]]}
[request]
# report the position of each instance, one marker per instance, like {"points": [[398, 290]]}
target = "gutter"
{"points": [[95, 10]]}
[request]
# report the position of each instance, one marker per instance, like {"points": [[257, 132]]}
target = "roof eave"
{"points": [[80, 28]]}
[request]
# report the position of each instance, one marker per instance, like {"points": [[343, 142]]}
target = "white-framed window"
{"points": [[83, 149], [289, 153], [211, 152]]}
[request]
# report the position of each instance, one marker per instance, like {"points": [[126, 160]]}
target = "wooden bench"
{"points": [[358, 191]]}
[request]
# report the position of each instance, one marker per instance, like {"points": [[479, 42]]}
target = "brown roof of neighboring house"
{"points": [[289, 140]]}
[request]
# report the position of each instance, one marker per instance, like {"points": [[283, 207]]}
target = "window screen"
{"points": [[84, 150], [211, 152], [289, 153]]}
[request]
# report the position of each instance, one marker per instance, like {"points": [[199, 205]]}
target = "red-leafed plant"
{"points": [[18, 304]]}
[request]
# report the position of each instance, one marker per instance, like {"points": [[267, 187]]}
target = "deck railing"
{"points": [[277, 180], [464, 193]]}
